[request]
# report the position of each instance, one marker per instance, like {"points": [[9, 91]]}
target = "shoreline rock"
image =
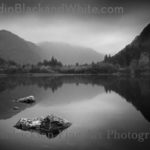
{"points": [[15, 108], [28, 99], [50, 126]]}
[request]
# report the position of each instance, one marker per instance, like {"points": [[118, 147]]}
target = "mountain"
{"points": [[69, 54], [139, 48], [14, 48]]}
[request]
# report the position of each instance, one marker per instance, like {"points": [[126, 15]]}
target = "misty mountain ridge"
{"points": [[69, 54], [138, 49], [15, 48]]}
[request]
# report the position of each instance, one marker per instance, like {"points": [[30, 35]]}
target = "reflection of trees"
{"points": [[135, 91], [6, 84], [53, 82], [42, 82]]}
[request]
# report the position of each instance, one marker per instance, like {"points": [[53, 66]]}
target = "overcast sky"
{"points": [[96, 24]]}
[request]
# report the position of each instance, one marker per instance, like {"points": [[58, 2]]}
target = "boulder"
{"points": [[28, 99], [50, 126]]}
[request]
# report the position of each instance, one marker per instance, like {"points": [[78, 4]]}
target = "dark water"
{"points": [[107, 113]]}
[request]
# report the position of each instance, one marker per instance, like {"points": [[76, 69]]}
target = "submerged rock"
{"points": [[15, 107], [50, 126], [28, 99]]}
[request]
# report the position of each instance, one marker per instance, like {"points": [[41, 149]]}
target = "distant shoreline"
{"points": [[71, 74], [53, 74]]}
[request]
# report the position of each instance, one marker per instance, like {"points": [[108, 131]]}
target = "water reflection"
{"points": [[135, 91], [94, 105]]}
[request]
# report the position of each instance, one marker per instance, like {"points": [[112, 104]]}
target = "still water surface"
{"points": [[101, 109]]}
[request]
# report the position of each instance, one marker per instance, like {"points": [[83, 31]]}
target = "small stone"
{"points": [[29, 99], [15, 107]]}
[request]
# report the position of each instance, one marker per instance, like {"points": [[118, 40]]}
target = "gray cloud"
{"points": [[106, 33]]}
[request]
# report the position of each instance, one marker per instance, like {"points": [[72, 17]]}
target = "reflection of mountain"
{"points": [[11, 88], [44, 88], [135, 91]]}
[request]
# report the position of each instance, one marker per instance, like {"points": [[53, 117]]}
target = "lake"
{"points": [[107, 113]]}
